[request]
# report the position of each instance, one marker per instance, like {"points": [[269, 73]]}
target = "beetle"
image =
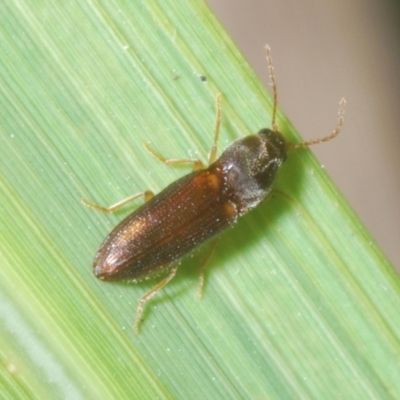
{"points": [[196, 207]]}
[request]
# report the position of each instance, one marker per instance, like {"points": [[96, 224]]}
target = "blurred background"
{"points": [[321, 52]]}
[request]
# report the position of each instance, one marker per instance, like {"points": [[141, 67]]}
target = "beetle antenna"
{"points": [[273, 84], [336, 132]]}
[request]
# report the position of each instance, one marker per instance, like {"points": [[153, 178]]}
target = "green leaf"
{"points": [[299, 300]]}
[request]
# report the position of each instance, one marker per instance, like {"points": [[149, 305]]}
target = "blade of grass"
{"points": [[299, 301]]}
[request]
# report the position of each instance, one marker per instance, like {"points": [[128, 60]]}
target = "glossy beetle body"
{"points": [[192, 209]]}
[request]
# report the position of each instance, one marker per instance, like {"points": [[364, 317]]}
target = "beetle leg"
{"points": [[197, 164], [148, 194], [203, 266], [147, 296], [212, 155]]}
